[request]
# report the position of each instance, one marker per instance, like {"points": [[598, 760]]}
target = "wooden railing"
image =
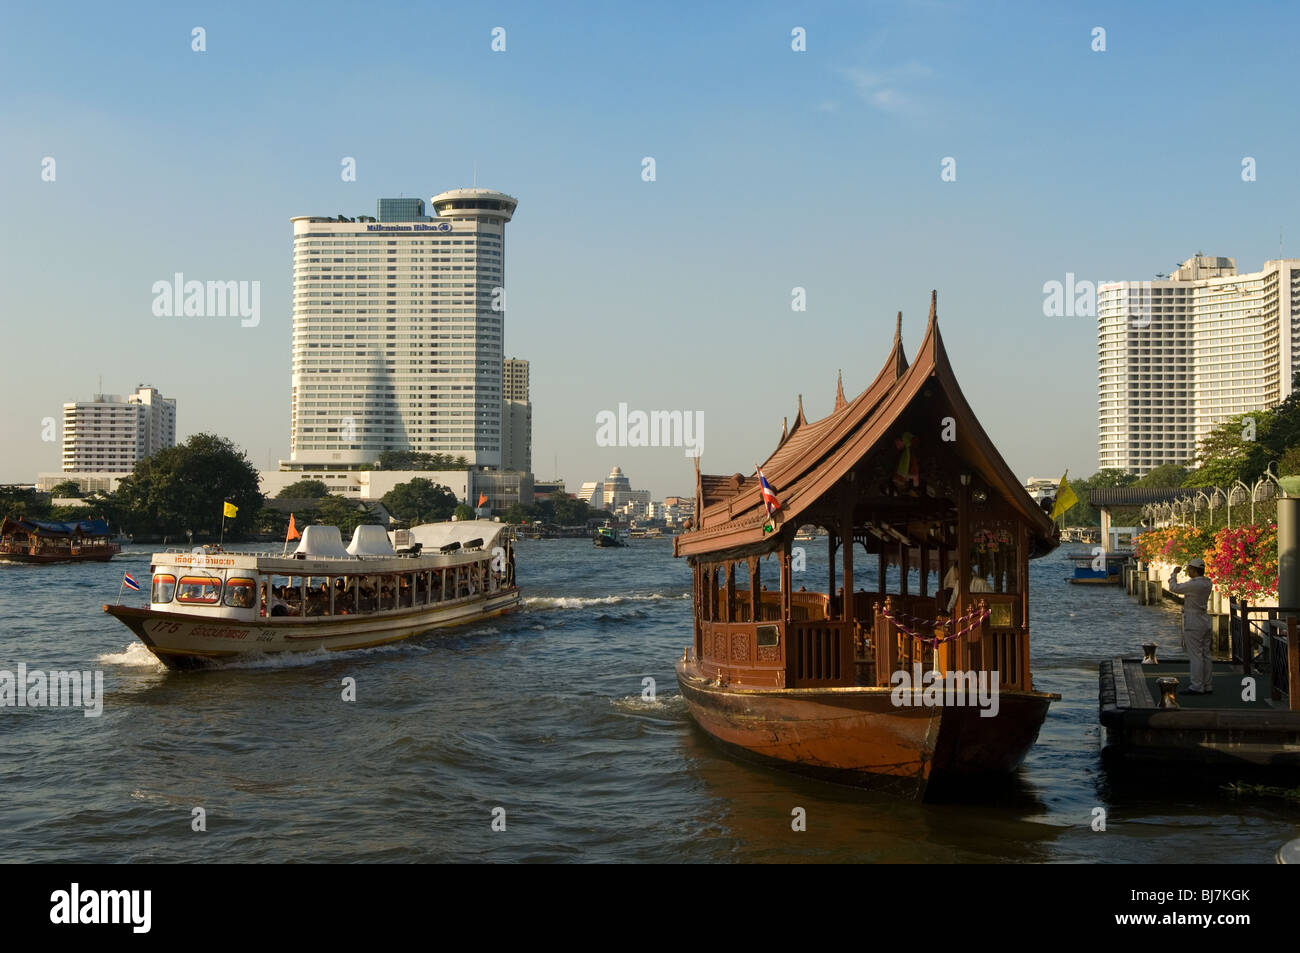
{"points": [[819, 654], [1003, 649]]}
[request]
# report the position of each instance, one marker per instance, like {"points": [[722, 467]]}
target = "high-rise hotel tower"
{"points": [[1178, 356], [397, 331]]}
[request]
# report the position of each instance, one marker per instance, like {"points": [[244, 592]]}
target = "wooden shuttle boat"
{"points": [[206, 607], [828, 686], [33, 541]]}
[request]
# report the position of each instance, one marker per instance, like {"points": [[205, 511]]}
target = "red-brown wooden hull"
{"points": [[96, 557], [858, 736]]}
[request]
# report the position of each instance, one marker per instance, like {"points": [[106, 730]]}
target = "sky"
{"points": [[774, 169]]}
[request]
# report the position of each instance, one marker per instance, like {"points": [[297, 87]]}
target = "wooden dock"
{"points": [[1222, 729]]}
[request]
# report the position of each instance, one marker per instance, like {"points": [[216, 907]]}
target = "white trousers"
{"points": [[1198, 653]]}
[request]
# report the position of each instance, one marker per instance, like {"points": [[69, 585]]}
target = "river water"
{"points": [[540, 713]]}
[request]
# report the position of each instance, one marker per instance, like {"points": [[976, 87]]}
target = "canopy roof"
{"points": [[75, 528], [858, 445]]}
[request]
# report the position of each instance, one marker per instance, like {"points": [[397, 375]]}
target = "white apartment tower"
{"points": [[109, 433], [1177, 356], [397, 332], [516, 418]]}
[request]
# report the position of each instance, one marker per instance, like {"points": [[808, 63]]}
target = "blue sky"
{"points": [[774, 169]]}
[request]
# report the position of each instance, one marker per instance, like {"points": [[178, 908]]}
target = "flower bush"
{"points": [[1242, 561], [1174, 545]]}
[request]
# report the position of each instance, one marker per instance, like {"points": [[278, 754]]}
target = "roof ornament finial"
{"points": [[934, 306], [785, 429], [898, 328], [799, 418], [840, 402]]}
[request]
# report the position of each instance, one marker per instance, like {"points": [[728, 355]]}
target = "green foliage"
{"points": [[420, 501], [1169, 475], [464, 512], [182, 489], [334, 510], [20, 501], [67, 489], [304, 490], [413, 460]]}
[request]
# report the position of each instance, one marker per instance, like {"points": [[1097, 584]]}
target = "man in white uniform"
{"points": [[1196, 625]]}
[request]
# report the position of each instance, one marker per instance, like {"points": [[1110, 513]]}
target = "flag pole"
{"points": [[120, 586]]}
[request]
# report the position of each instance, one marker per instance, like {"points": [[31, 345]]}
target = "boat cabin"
{"points": [[903, 479], [440, 563]]}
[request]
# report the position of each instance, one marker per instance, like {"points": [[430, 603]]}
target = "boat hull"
{"points": [[858, 736], [59, 558], [185, 641]]}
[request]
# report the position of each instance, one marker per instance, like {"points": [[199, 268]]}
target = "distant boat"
{"points": [[607, 538], [209, 605], [33, 541], [1086, 573]]}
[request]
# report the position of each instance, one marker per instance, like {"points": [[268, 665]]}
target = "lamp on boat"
{"points": [[965, 479]]}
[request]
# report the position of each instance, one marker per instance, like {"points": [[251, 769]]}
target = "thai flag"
{"points": [[769, 498], [129, 582]]}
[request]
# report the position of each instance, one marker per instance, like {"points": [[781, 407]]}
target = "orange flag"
{"points": [[293, 530], [482, 499]]}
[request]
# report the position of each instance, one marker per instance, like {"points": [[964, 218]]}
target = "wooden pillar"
{"points": [[830, 562], [846, 537], [884, 564], [963, 565], [730, 614], [904, 566], [787, 582], [1022, 582], [755, 590], [925, 570]]}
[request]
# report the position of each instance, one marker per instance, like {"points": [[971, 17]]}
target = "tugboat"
{"points": [[209, 606], [31, 541], [607, 537], [916, 693]]}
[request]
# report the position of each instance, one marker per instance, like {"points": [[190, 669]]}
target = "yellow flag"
{"points": [[1065, 497], [230, 509]]}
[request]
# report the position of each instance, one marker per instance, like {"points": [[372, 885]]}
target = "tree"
{"points": [[420, 501], [347, 515], [571, 512], [1234, 450], [304, 490], [463, 512], [67, 489], [1169, 475], [183, 489], [23, 501]]}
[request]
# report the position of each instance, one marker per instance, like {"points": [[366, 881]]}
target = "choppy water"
{"points": [[539, 713]]}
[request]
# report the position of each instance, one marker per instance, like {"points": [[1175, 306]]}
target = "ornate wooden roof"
{"points": [[813, 458]]}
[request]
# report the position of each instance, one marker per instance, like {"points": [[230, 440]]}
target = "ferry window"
{"points": [[241, 593], [164, 587], [204, 590]]}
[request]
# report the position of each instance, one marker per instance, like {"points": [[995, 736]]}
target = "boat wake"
{"points": [[135, 655], [582, 602], [660, 705]]}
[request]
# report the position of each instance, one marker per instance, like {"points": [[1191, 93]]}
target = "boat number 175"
{"points": [[165, 626]]}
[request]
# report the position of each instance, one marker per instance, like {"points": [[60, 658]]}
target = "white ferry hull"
{"points": [[182, 640]]}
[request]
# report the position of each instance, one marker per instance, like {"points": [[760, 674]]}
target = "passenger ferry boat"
{"points": [[208, 606], [841, 684], [32, 541]]}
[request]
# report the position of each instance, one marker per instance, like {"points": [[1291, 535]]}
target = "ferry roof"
{"points": [[812, 458], [75, 528]]}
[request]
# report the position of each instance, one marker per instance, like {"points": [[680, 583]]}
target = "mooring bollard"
{"points": [[1149, 653], [1168, 691]]}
